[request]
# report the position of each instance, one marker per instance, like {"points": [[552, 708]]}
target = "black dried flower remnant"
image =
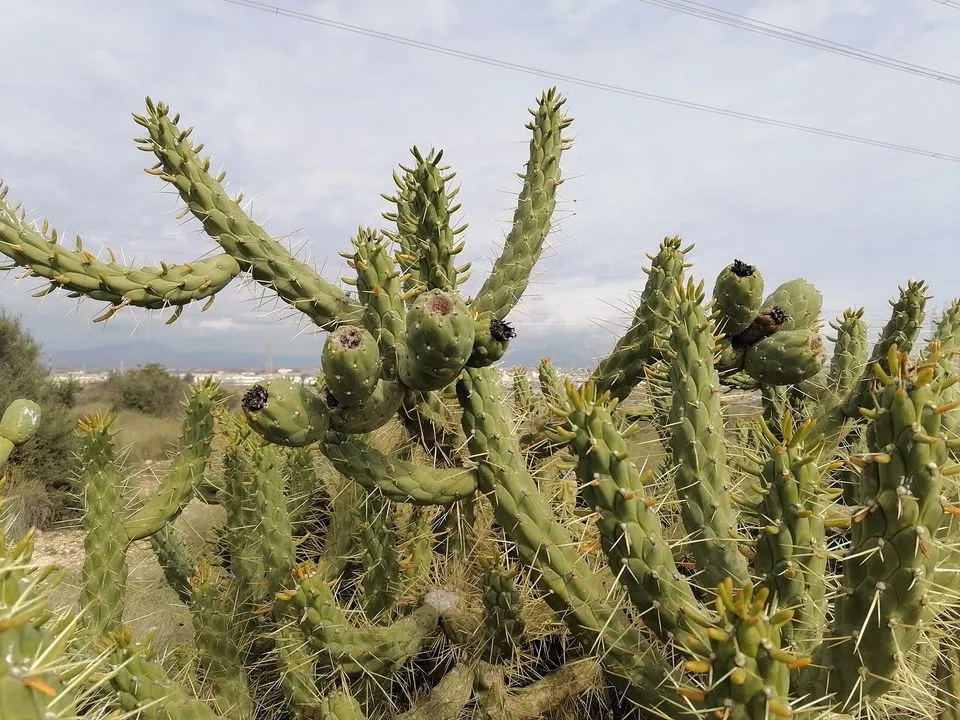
{"points": [[254, 399]]}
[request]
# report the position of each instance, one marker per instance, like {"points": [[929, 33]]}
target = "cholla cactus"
{"points": [[394, 545]]}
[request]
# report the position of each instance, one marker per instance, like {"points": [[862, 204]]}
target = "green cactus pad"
{"points": [[737, 295], [438, 341], [785, 358], [800, 301], [286, 413], [351, 364]]}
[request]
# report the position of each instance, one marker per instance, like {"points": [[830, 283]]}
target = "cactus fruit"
{"points": [[438, 341], [351, 364], [737, 295], [800, 301], [785, 358], [18, 424], [286, 413]]}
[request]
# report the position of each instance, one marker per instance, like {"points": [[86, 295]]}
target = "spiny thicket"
{"points": [[406, 538]]}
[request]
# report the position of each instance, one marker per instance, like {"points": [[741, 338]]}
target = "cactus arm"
{"points": [[154, 288], [630, 529], [399, 480], [792, 548], [749, 672], [175, 560], [571, 587], [620, 371], [340, 705], [296, 666], [381, 565], [551, 691], [502, 605], [901, 330], [225, 221], [531, 221], [178, 487], [220, 662], [35, 664], [894, 552], [423, 210], [141, 685], [104, 571], [698, 447], [431, 423], [447, 700], [353, 650], [378, 287]]}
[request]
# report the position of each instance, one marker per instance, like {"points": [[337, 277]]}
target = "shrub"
{"points": [[150, 390], [45, 464]]}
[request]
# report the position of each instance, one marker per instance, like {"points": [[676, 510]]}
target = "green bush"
{"points": [[150, 390], [43, 468]]}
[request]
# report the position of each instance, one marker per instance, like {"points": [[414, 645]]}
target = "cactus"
{"points": [[403, 541]]}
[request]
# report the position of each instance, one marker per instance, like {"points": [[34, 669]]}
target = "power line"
{"points": [[949, 3], [708, 12], [604, 87]]}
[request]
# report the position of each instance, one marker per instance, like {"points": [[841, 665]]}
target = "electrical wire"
{"points": [[596, 85], [742, 22]]}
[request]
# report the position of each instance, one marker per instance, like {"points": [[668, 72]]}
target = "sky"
{"points": [[310, 121]]}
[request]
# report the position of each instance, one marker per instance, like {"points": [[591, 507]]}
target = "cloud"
{"points": [[309, 122]]}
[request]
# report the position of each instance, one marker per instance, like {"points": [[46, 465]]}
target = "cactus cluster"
{"points": [[406, 539]]}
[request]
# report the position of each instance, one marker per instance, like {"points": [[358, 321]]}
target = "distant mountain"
{"points": [[112, 357]]}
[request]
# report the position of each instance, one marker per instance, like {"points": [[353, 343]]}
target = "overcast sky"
{"points": [[310, 121]]}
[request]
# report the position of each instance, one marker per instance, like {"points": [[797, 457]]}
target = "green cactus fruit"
{"points": [[286, 413], [800, 301], [438, 341], [351, 364], [6, 450], [785, 358], [374, 412], [492, 335], [737, 295], [20, 421]]}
